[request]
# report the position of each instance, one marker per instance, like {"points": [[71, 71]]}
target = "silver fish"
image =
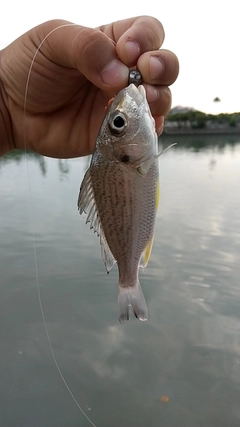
{"points": [[120, 193]]}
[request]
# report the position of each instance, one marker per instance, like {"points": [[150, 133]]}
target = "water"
{"points": [[189, 350]]}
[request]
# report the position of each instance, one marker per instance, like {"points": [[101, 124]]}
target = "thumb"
{"points": [[89, 50]]}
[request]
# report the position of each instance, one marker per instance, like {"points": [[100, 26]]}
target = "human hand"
{"points": [[73, 75]]}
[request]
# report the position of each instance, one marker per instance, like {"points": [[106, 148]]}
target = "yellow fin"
{"points": [[148, 249], [147, 252]]}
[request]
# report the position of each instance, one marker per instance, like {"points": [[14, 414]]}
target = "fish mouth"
{"points": [[138, 93], [127, 95]]}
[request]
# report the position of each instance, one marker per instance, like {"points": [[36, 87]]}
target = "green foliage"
{"points": [[199, 120], [232, 121]]}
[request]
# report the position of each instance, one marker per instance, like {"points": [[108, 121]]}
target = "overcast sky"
{"points": [[204, 34]]}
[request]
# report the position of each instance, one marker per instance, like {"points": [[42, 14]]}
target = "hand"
{"points": [[73, 75]]}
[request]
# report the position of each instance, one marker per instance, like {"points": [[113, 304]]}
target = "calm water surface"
{"points": [[189, 350]]}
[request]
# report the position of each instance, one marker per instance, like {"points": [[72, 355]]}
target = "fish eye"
{"points": [[117, 123]]}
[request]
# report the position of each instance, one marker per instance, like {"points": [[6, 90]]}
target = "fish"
{"points": [[120, 193]]}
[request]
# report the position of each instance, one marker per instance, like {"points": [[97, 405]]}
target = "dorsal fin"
{"points": [[87, 204]]}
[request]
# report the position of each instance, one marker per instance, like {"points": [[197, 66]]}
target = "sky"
{"points": [[205, 35]]}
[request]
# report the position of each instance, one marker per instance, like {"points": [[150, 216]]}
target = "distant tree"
{"points": [[217, 99], [200, 120], [232, 120]]}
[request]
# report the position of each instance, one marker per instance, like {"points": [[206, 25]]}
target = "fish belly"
{"points": [[126, 204]]}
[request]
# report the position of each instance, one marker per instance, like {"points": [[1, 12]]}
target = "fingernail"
{"points": [[133, 51], [156, 67], [159, 124], [114, 73]]}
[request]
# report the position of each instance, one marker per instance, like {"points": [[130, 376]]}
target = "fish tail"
{"points": [[132, 296]]}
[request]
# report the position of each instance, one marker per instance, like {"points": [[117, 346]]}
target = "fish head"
{"points": [[128, 132]]}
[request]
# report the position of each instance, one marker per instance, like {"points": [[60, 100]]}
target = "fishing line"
{"points": [[33, 233]]}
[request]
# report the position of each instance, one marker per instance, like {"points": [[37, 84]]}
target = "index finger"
{"points": [[134, 36]]}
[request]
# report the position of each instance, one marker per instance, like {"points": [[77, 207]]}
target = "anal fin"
{"points": [[148, 249]]}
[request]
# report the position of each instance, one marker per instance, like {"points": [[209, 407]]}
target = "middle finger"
{"points": [[159, 67]]}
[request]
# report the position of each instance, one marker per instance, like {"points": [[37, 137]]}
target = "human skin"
{"points": [[73, 75]]}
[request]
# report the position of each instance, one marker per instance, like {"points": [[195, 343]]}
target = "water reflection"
{"points": [[189, 350], [200, 142], [64, 167], [184, 142]]}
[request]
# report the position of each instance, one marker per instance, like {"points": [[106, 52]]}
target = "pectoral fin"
{"points": [[145, 166]]}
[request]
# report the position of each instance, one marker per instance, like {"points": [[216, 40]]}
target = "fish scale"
{"points": [[119, 193], [118, 203]]}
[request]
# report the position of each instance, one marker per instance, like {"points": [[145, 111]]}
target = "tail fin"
{"points": [[132, 295]]}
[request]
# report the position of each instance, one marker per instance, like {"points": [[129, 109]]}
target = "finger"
{"points": [[158, 68], [159, 124], [89, 50], [135, 36], [159, 98]]}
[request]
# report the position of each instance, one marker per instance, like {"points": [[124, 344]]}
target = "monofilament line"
{"points": [[33, 233]]}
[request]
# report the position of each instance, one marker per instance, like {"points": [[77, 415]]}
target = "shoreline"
{"points": [[216, 131]]}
